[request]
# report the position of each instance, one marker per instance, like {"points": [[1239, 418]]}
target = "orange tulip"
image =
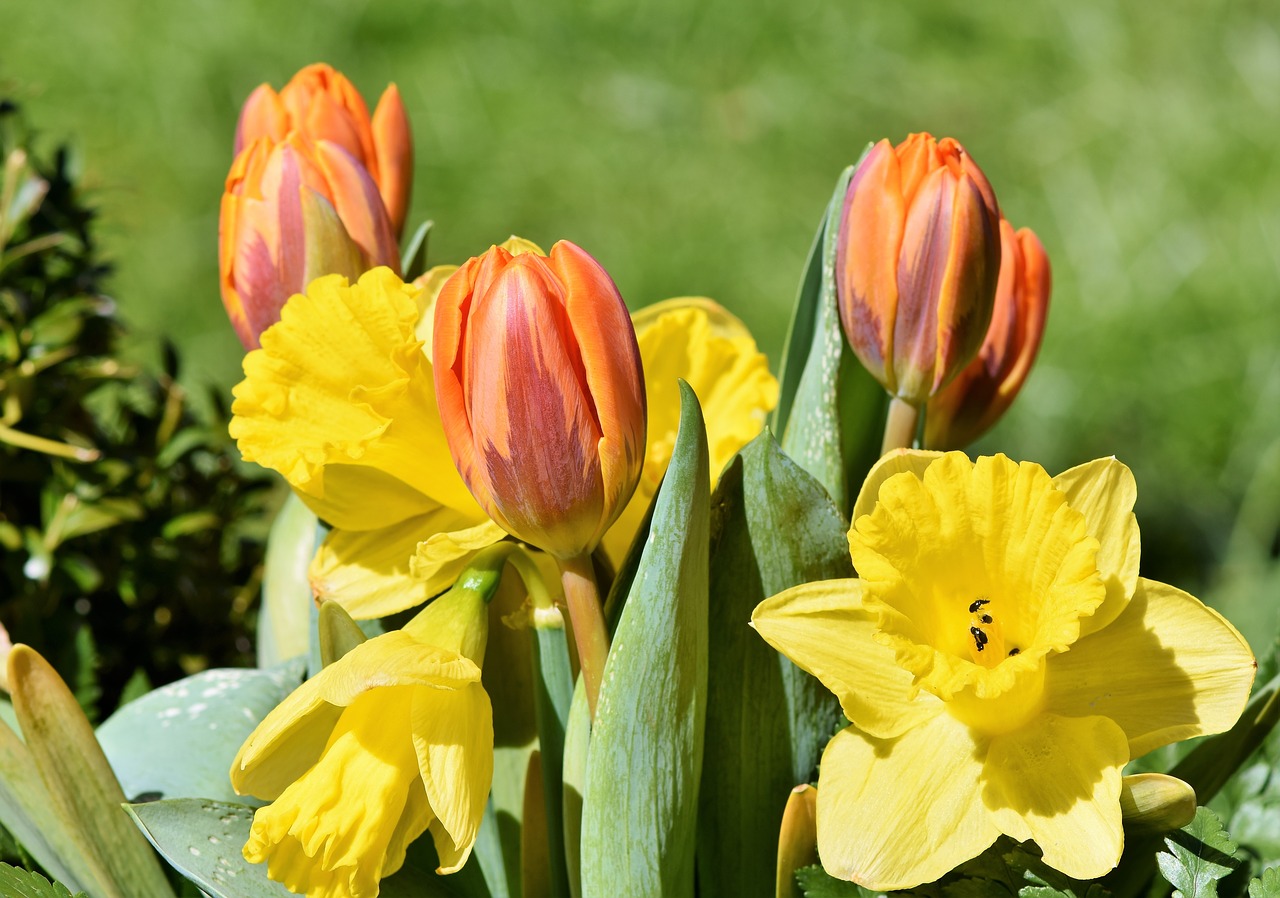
{"points": [[981, 393], [320, 104], [539, 385], [916, 263], [291, 212]]}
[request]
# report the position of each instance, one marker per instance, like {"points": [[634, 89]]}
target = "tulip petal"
{"points": [[453, 737], [1104, 491], [367, 572], [870, 241], [824, 629], [342, 381], [263, 115], [442, 557], [1058, 782], [898, 813], [359, 204], [393, 147], [1168, 668], [916, 461]]}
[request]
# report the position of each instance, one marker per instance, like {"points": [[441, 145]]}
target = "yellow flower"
{"points": [[700, 341], [1001, 661], [393, 739], [340, 401]]}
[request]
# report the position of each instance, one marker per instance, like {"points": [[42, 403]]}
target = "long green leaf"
{"points": [[577, 736], [830, 408], [767, 720], [645, 754], [79, 780], [553, 689], [284, 620]]}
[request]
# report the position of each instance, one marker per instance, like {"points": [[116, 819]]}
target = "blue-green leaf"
{"points": [[179, 740], [645, 755], [767, 720]]}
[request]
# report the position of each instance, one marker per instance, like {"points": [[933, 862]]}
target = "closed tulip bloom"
{"points": [[538, 380], [320, 104], [980, 394], [916, 263]]}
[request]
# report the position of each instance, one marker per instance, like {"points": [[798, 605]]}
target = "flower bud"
{"points": [[539, 386], [320, 104], [1156, 802], [916, 263], [965, 408], [291, 212]]}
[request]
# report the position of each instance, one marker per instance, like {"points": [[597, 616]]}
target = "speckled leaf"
{"points": [[645, 754], [179, 741]]}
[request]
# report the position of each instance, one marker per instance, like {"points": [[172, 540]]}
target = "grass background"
{"points": [[691, 147]]}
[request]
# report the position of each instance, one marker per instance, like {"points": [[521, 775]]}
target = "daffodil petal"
{"points": [[292, 737], [438, 560], [355, 497], [896, 462], [1058, 782], [341, 379], [823, 628], [453, 737], [1168, 668], [430, 281], [367, 572], [1104, 491], [897, 813]]}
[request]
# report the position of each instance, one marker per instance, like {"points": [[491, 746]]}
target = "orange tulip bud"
{"points": [[320, 104], [540, 391], [916, 263], [981, 393], [291, 212]]}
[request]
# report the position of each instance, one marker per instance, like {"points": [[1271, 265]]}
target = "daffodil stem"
{"points": [[900, 426], [587, 617]]}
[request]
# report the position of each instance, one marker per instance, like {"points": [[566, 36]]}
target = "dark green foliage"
{"points": [[130, 538]]}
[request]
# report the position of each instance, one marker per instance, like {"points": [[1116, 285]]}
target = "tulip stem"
{"points": [[587, 618], [900, 425]]}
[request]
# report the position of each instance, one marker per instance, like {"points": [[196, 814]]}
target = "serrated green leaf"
{"points": [[1199, 855], [1267, 885], [16, 883], [179, 740], [774, 527], [816, 883], [80, 782], [645, 754]]}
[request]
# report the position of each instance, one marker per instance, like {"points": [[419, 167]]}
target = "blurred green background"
{"points": [[691, 147]]}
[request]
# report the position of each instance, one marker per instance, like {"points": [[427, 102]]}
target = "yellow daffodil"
{"points": [[393, 739], [340, 401], [1001, 661], [699, 341]]}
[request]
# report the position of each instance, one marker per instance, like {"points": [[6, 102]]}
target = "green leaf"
{"points": [[1266, 886], [80, 782], [577, 733], [767, 720], [16, 883], [645, 753], [284, 623], [413, 259], [202, 840], [553, 690], [829, 409], [179, 740], [1199, 855], [816, 883]]}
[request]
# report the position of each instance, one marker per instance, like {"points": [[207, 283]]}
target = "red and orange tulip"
{"points": [[539, 385], [308, 194], [981, 393], [916, 263], [320, 104]]}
